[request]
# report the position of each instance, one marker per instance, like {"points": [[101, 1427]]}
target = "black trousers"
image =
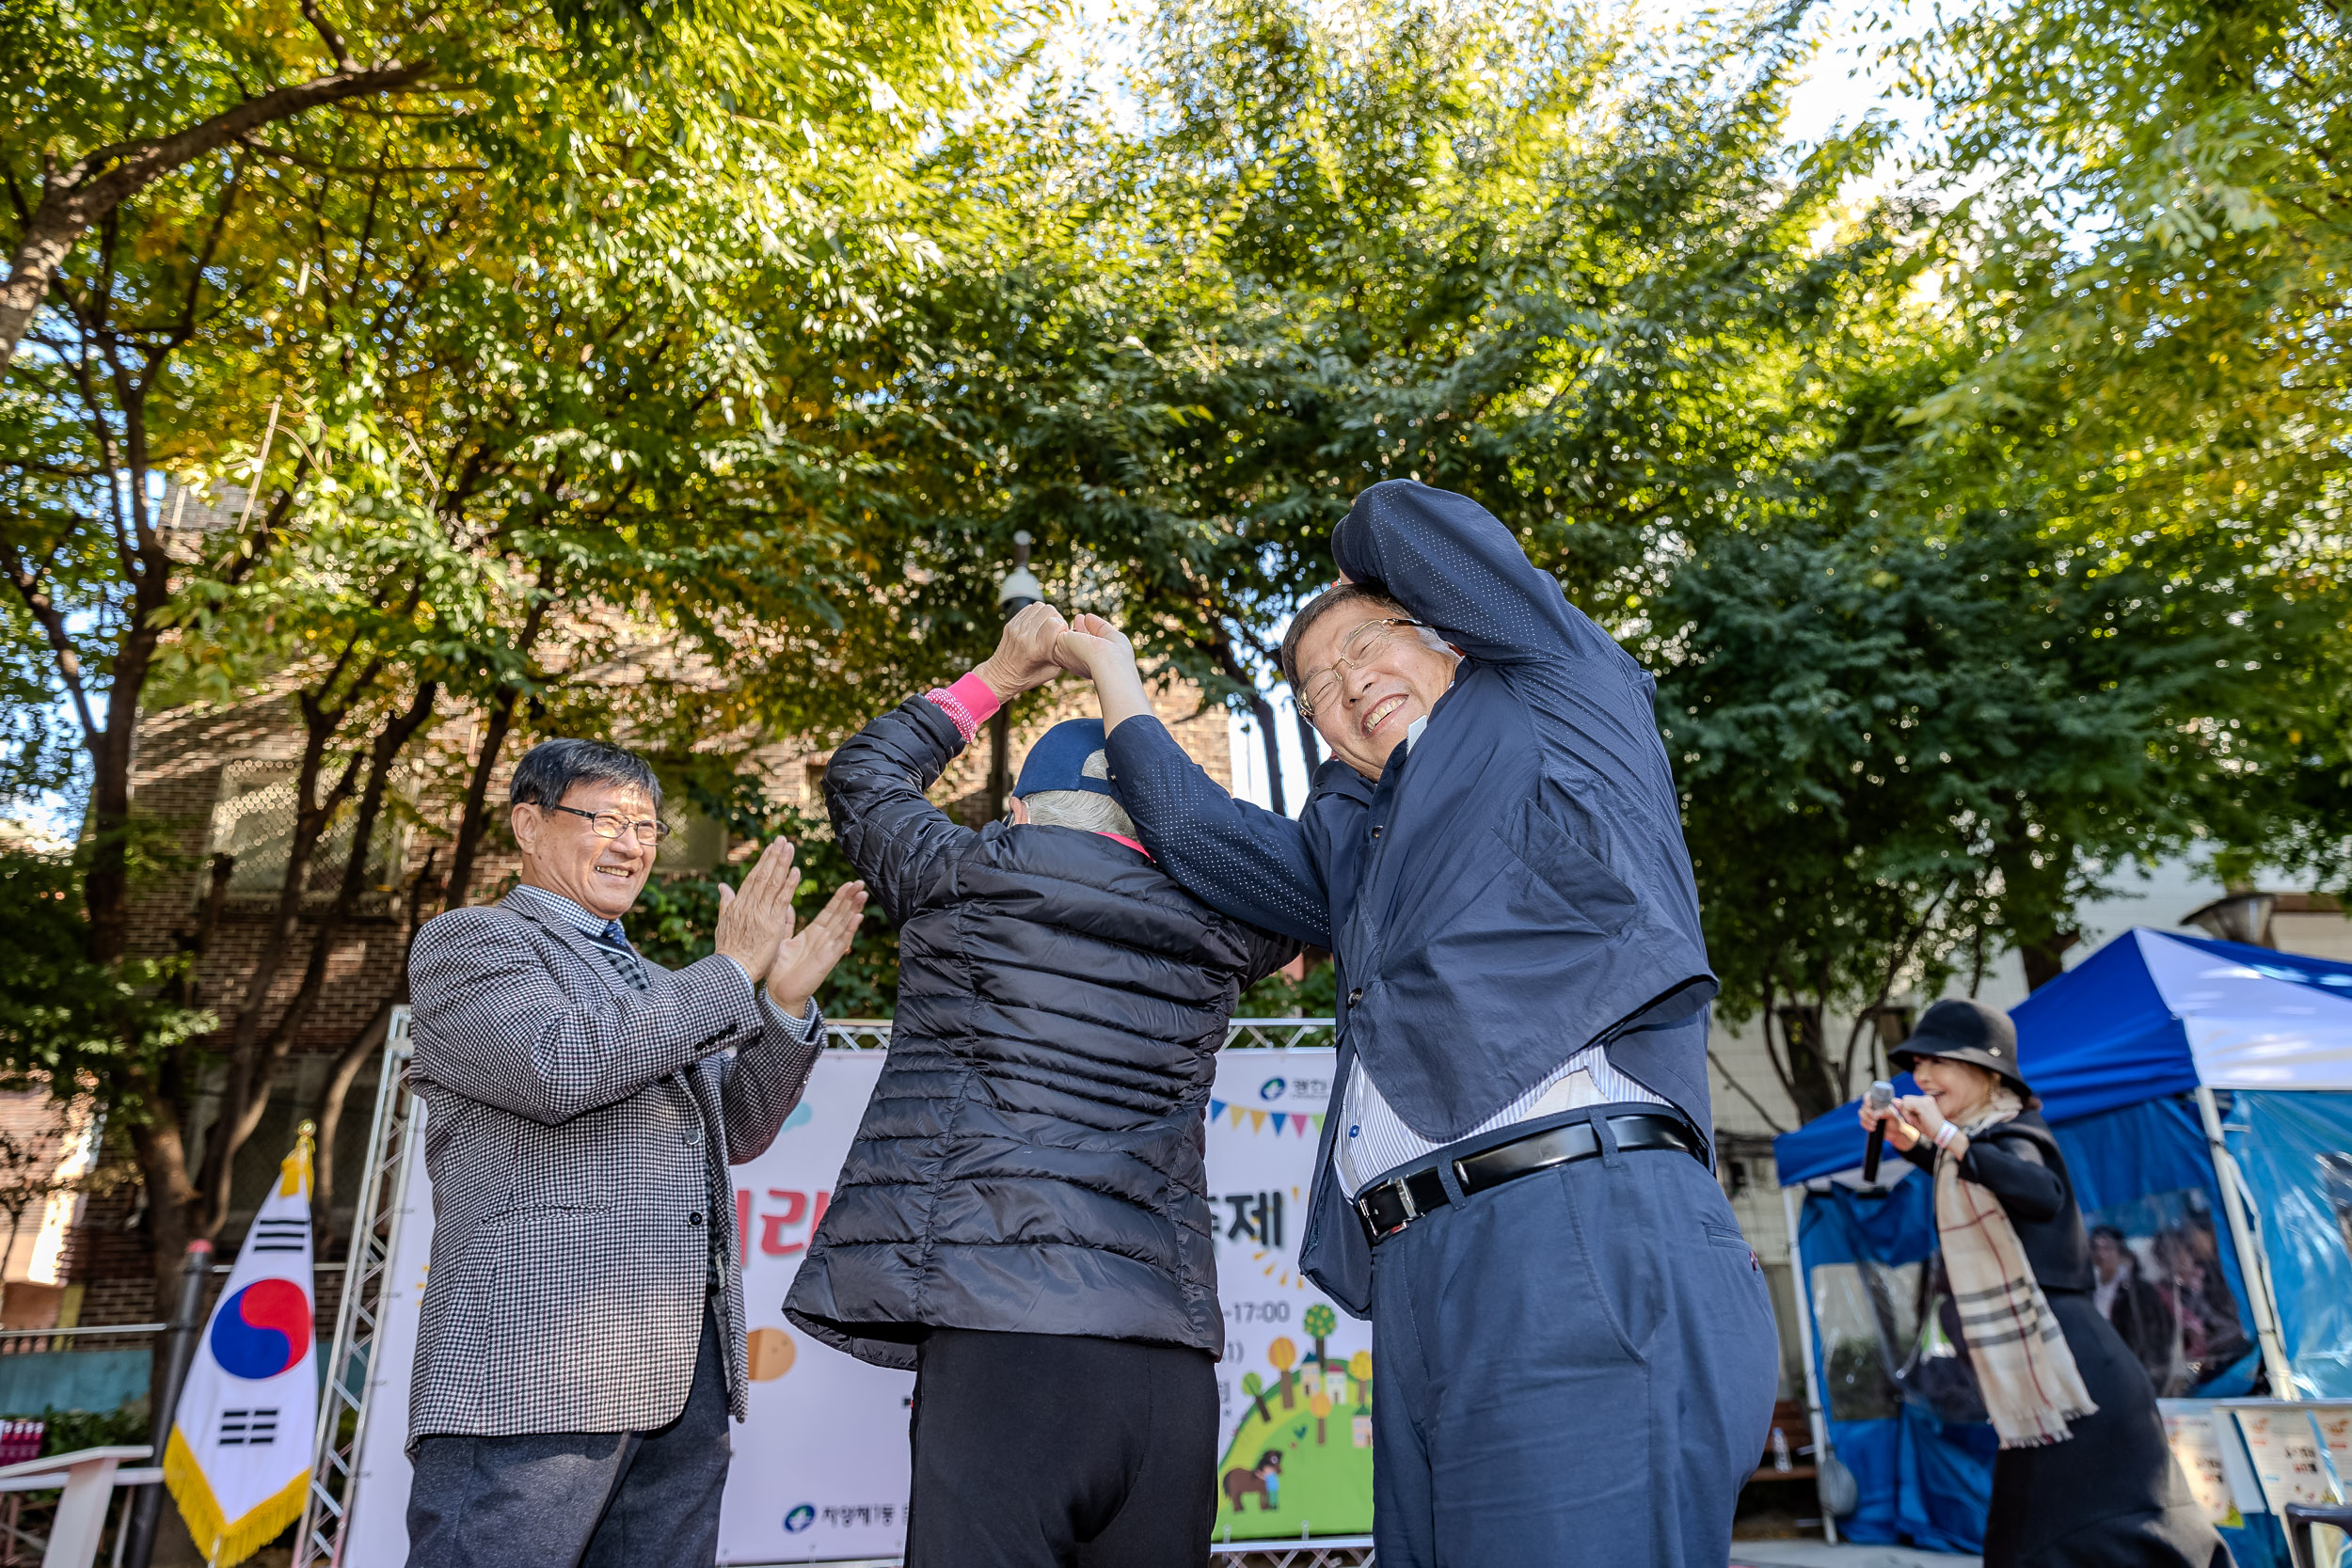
{"points": [[1051, 1450], [580, 1500]]}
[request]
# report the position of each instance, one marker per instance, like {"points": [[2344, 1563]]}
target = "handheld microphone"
{"points": [[1881, 1096]]}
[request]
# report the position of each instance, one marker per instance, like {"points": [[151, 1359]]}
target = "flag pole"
{"points": [[180, 1348]]}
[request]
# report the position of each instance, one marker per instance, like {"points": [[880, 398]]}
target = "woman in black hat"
{"points": [[2085, 1478]]}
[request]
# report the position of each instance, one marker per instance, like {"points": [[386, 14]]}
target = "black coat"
{"points": [[2112, 1495], [1031, 1159]]}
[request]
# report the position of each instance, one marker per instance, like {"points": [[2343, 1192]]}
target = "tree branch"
{"points": [[78, 194], [1742, 1091], [334, 50]]}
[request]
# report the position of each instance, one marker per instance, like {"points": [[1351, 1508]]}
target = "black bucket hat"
{"points": [[1960, 1030]]}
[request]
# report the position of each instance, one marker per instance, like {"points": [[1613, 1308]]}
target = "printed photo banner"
{"points": [[819, 1472]]}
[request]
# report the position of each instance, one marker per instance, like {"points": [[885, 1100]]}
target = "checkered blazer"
{"points": [[577, 1131]]}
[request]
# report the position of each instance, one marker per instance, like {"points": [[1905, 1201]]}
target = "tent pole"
{"points": [[1803, 1294], [2251, 1261]]}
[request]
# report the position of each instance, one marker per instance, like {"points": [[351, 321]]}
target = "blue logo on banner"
{"points": [[1272, 1089], [799, 1519]]}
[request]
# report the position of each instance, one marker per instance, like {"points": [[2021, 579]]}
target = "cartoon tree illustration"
{"points": [[1320, 1322], [1254, 1385], [1320, 1403], [1359, 1367], [1283, 1353]]}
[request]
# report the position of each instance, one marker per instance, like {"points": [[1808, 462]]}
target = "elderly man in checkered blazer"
{"points": [[582, 1341]]}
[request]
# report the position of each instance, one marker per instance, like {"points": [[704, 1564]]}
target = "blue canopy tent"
{"points": [[2202, 1092]]}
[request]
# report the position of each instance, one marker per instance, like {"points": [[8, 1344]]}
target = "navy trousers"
{"points": [[1574, 1370], [580, 1500]]}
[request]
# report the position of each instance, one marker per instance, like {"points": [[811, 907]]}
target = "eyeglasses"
{"points": [[1364, 645], [609, 824]]}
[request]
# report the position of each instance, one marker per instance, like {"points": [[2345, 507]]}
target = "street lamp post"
{"points": [[1017, 591]]}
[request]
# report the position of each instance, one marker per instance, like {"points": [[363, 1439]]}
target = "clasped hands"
{"points": [[1039, 645], [756, 929]]}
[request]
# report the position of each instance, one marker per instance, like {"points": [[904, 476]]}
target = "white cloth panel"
{"points": [[2255, 1025]]}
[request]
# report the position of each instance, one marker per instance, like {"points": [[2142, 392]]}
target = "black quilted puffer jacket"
{"points": [[1031, 1159]]}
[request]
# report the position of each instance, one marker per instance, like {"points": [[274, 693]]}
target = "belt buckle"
{"points": [[1403, 1196]]}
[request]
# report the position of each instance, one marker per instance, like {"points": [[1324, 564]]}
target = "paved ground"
{"points": [[1816, 1554]]}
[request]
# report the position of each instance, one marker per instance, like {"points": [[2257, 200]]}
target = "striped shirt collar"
{"points": [[571, 912]]}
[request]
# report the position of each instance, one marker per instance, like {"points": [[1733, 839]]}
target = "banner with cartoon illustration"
{"points": [[820, 1470], [1296, 1445]]}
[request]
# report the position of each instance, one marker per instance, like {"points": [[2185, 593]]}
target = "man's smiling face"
{"points": [[562, 854], [1365, 717]]}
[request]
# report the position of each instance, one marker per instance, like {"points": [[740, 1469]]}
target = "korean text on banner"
{"points": [[238, 1461]]}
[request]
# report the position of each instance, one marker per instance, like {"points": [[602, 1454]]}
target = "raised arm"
{"points": [[1236, 858], [493, 1024], [1232, 856], [901, 844], [1454, 565]]}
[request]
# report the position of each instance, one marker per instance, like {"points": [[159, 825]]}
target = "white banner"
{"points": [[820, 1470]]}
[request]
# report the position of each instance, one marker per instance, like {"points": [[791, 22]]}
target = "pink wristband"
{"points": [[968, 703], [1944, 1134]]}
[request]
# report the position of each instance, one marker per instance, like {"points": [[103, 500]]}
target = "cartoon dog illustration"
{"points": [[1265, 1480]]}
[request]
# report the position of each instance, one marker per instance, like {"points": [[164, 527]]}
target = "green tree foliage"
{"points": [[445, 369], [2165, 243]]}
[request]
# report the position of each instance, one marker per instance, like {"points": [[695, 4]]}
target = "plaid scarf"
{"points": [[2026, 1373]]}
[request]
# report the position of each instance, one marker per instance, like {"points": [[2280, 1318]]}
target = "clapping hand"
{"points": [[1100, 650], [1093, 648], [754, 919], [802, 961]]}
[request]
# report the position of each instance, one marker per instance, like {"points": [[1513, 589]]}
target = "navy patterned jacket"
{"points": [[1512, 890]]}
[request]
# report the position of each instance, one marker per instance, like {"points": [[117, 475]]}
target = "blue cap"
{"points": [[1059, 760]]}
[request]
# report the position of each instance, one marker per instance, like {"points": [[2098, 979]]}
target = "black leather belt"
{"points": [[1387, 1207]]}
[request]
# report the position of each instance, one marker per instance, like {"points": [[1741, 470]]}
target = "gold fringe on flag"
{"points": [[223, 1541]]}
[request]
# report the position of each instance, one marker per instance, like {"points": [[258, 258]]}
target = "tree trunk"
{"points": [[256, 1061], [106, 885], [1812, 1081], [346, 1069], [473, 818], [162, 1157], [2034, 907], [1261, 712], [330, 1116], [2045, 959]]}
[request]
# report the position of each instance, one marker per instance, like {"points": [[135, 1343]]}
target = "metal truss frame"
{"points": [[374, 1231], [359, 1320]]}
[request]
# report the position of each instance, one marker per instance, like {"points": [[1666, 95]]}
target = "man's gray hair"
{"points": [[548, 770], [1082, 809], [1373, 605]]}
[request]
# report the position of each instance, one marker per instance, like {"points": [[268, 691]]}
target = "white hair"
{"points": [[1082, 809]]}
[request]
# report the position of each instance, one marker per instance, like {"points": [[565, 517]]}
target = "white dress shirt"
{"points": [[1375, 1140]]}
